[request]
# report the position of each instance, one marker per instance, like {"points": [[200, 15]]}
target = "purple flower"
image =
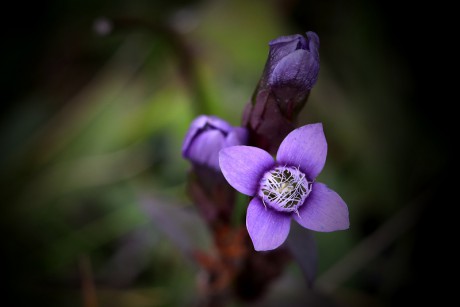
{"points": [[293, 61], [285, 188], [206, 136]]}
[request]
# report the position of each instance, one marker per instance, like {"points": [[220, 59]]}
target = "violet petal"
{"points": [[244, 166], [306, 148], [195, 126], [283, 46], [324, 210], [267, 228], [237, 136], [299, 69], [198, 124], [205, 148], [313, 44], [218, 123], [287, 39]]}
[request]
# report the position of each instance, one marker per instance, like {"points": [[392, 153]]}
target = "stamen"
{"points": [[284, 188]]}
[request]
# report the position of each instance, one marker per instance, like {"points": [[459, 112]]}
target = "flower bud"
{"points": [[206, 136], [293, 61], [290, 72]]}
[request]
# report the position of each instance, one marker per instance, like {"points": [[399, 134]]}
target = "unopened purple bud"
{"points": [[206, 136], [290, 72], [293, 62]]}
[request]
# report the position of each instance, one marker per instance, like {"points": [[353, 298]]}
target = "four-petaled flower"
{"points": [[285, 188]]}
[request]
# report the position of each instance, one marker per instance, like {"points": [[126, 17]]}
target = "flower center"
{"points": [[284, 188]]}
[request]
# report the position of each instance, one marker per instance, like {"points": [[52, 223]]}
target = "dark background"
{"points": [[91, 121]]}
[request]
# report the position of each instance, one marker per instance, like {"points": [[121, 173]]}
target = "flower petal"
{"points": [[205, 148], [237, 136], [284, 45], [298, 69], [324, 210], [306, 148], [288, 39], [244, 166], [199, 124], [267, 228], [313, 43]]}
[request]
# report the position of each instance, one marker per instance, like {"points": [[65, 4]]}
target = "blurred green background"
{"points": [[97, 97]]}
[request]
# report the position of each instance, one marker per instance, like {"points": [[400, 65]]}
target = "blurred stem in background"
{"points": [[183, 54]]}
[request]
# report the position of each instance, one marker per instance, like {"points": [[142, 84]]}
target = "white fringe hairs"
{"points": [[284, 188]]}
